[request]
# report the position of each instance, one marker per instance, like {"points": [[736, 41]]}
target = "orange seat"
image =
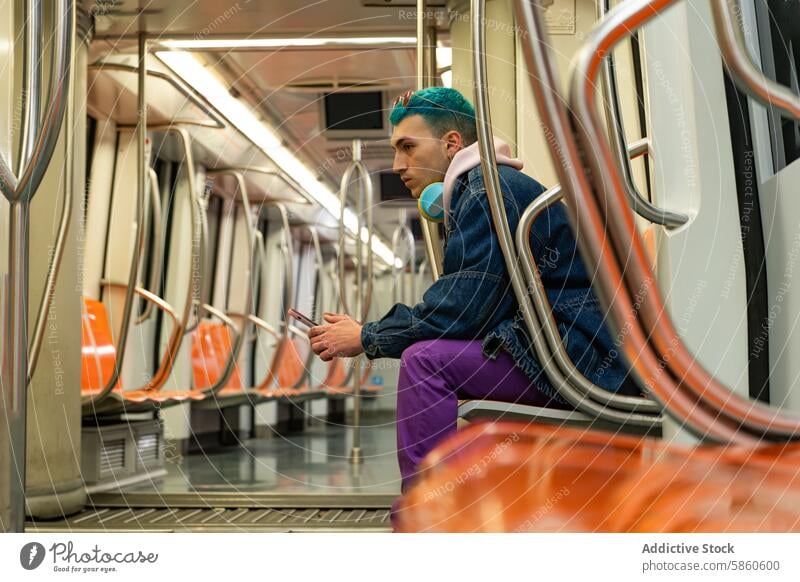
{"points": [[210, 348], [334, 382], [289, 368], [98, 352], [516, 477]]}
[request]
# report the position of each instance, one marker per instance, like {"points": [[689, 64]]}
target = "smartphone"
{"points": [[304, 319]]}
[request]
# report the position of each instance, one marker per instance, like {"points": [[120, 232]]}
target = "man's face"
{"points": [[420, 157]]}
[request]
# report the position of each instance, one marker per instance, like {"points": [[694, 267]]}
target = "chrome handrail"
{"points": [[154, 229], [287, 250], [503, 231], [363, 298], [743, 414], [616, 131], [594, 244], [544, 312], [364, 199], [133, 272], [40, 135], [405, 232], [236, 347], [741, 67]]}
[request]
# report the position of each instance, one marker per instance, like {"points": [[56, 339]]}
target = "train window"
{"points": [[779, 34]]}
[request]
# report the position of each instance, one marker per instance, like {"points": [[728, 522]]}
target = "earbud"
{"points": [[430, 202]]}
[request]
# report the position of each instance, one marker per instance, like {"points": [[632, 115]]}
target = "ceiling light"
{"points": [[205, 82], [268, 43]]}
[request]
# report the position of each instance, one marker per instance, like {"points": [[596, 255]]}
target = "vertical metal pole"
{"points": [[433, 244], [32, 89], [355, 453], [15, 379]]}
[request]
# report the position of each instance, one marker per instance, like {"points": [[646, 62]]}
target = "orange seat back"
{"points": [[337, 374], [291, 366], [516, 477], [98, 352], [211, 348], [649, 239]]}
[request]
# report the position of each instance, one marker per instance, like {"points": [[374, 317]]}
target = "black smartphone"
{"points": [[304, 319]]}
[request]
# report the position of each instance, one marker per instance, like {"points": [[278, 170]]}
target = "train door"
{"points": [[772, 32]]}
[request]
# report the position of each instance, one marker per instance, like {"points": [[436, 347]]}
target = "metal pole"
{"points": [[40, 136], [16, 377], [433, 244], [356, 456]]}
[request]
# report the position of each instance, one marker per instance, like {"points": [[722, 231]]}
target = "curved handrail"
{"points": [[197, 254], [236, 347], [503, 231], [281, 339], [746, 414], [540, 302], [319, 266], [595, 247], [41, 138], [158, 252], [544, 312], [133, 273], [405, 232], [54, 265], [616, 131], [365, 199], [741, 67], [287, 250]]}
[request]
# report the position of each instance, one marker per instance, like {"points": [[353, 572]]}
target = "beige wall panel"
{"points": [[501, 63], [53, 455]]}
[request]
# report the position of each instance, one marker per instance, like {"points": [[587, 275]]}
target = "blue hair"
{"points": [[443, 109]]}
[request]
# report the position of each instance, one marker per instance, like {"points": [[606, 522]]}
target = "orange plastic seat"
{"points": [[507, 477], [334, 382], [210, 348], [290, 369], [98, 352]]}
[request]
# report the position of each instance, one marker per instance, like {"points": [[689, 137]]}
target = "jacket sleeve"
{"points": [[464, 302]]}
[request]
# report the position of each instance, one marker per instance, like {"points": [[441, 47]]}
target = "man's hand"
{"points": [[340, 339]]}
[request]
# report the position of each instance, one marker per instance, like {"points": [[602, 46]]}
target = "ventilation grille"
{"points": [[147, 447], [112, 457]]}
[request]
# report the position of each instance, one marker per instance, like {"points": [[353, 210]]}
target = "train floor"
{"points": [[295, 482]]}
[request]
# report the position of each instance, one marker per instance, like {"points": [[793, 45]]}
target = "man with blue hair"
{"points": [[467, 339]]}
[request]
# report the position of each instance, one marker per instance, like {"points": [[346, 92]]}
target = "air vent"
{"points": [[147, 447], [112, 457], [329, 85]]}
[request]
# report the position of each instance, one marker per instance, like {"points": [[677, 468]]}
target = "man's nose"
{"points": [[399, 164]]}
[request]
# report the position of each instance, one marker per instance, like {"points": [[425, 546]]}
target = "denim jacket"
{"points": [[473, 299]]}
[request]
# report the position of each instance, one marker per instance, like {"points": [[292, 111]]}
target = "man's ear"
{"points": [[454, 143]]}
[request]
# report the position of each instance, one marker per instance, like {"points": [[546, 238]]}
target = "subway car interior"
{"points": [[177, 176]]}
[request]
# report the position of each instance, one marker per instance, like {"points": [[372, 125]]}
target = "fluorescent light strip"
{"points": [[265, 43], [193, 72]]}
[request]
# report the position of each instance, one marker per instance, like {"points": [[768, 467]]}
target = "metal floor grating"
{"points": [[235, 512]]}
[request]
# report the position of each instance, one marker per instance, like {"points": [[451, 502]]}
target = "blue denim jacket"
{"points": [[473, 298]]}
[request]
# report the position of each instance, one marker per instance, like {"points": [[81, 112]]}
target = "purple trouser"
{"points": [[434, 376]]}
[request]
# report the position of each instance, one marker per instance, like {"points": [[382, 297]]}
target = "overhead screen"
{"points": [[355, 115]]}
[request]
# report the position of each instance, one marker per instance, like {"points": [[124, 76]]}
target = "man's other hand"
{"points": [[341, 338]]}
